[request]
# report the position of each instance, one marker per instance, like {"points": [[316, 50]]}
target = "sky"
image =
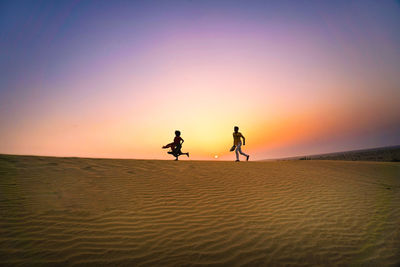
{"points": [[115, 79]]}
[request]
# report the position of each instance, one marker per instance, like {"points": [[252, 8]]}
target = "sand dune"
{"points": [[144, 212], [389, 154]]}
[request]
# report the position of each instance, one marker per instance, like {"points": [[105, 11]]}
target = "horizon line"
{"points": [[271, 159]]}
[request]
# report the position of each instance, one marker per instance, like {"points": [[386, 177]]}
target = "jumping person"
{"points": [[176, 146], [237, 143]]}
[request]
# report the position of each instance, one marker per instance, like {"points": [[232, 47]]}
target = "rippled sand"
{"points": [[144, 212]]}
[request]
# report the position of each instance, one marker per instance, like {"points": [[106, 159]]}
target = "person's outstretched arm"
{"points": [[244, 140]]}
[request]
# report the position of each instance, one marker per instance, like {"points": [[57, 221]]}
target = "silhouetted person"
{"points": [[176, 146], [237, 143]]}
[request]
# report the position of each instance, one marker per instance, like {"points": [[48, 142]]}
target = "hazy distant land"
{"points": [[389, 154], [165, 213]]}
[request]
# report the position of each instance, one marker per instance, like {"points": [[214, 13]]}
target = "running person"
{"points": [[237, 142], [176, 146]]}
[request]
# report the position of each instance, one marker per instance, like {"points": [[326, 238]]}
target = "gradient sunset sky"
{"points": [[117, 78]]}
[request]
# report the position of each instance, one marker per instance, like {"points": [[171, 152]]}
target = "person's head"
{"points": [[236, 129], [177, 133]]}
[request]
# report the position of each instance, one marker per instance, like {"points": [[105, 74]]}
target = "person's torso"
{"points": [[236, 138], [177, 140]]}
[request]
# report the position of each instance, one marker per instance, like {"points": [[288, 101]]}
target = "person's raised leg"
{"points": [[242, 153], [167, 146]]}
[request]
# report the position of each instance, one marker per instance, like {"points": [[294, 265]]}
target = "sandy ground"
{"points": [[144, 212]]}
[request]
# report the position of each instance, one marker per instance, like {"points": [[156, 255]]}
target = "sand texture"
{"points": [[164, 213]]}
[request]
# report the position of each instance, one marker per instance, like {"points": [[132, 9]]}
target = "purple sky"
{"points": [[117, 78]]}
